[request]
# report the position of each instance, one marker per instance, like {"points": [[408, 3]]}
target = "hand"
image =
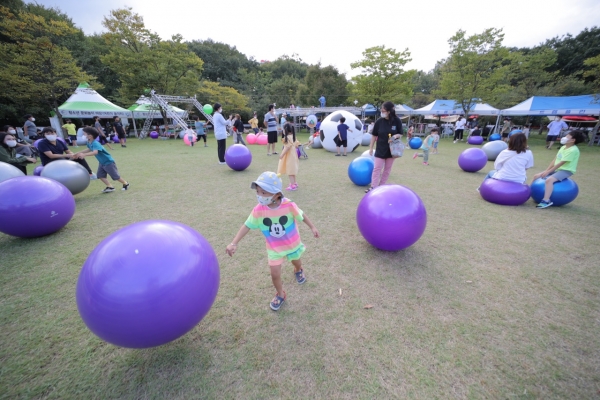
{"points": [[370, 152], [544, 174], [315, 232], [281, 157], [231, 249], [536, 176], [32, 160]]}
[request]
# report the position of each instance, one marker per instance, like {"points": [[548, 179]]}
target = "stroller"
{"points": [[301, 152]]}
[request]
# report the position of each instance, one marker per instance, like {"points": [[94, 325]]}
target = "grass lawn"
{"points": [[491, 302]]}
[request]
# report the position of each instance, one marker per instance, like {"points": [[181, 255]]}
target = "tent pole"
{"points": [[496, 126], [134, 128]]}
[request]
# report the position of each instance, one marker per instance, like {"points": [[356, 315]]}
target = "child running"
{"points": [[436, 141], [288, 160], [106, 164], [199, 125], [276, 217], [427, 144]]}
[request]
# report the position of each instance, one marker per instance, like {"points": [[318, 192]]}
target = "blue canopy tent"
{"points": [[369, 110], [568, 105]]}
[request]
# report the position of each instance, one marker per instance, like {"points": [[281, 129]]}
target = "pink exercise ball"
{"points": [[251, 138], [262, 140], [186, 138]]}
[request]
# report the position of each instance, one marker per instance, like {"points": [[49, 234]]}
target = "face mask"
{"points": [[12, 131], [11, 143], [384, 115], [564, 140], [32, 119], [264, 201], [51, 138]]}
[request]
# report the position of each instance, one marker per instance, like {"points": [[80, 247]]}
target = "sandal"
{"points": [[277, 301], [300, 278]]}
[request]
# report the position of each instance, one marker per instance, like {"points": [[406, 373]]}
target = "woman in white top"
{"points": [[512, 164], [220, 125], [459, 129]]}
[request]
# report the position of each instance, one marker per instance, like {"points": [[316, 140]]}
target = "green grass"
{"points": [[492, 301]]}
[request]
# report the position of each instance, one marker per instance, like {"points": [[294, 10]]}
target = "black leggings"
{"points": [[457, 133], [221, 149], [202, 137], [84, 164]]}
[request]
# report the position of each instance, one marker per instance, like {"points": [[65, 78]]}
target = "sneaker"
{"points": [[291, 188], [454, 142], [123, 145], [425, 163], [337, 155], [277, 302], [300, 278], [108, 189], [268, 154], [205, 146], [221, 163], [544, 204], [274, 152], [344, 155], [93, 177], [125, 186], [415, 155]]}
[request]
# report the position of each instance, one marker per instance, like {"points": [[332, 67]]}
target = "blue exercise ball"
{"points": [[415, 143], [563, 193], [495, 136], [360, 171], [514, 132]]}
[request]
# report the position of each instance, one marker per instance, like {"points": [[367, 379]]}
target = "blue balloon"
{"points": [[360, 171], [495, 136], [563, 193], [415, 143]]}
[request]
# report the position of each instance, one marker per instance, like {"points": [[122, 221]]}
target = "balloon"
{"points": [[207, 109]]}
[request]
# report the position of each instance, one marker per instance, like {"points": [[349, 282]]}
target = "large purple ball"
{"points": [[238, 157], [154, 135], [563, 192], [472, 160], [505, 193], [475, 140], [147, 284], [115, 139], [38, 170], [32, 206], [391, 217]]}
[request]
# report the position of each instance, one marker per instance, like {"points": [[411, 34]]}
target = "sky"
{"points": [[335, 32]]}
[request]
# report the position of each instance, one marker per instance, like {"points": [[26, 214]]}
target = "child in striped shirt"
{"points": [[277, 218]]}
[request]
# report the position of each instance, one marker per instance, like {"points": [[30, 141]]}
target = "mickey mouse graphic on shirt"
{"points": [[276, 229]]}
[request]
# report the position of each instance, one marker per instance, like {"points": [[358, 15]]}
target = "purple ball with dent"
{"points": [[505, 193], [33, 206], [238, 157], [38, 170], [472, 160], [391, 217], [476, 140], [148, 284]]}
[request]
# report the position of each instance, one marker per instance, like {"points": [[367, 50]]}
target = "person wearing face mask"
{"points": [[52, 149], [23, 145], [562, 167], [386, 128], [9, 155], [238, 131], [278, 218], [29, 128], [220, 126]]}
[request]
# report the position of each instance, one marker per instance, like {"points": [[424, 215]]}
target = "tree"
{"points": [[36, 73], [292, 66], [592, 72], [424, 85], [474, 70], [571, 52], [326, 81], [383, 76], [282, 91], [143, 61], [231, 100]]}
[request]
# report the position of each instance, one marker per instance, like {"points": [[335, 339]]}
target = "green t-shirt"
{"points": [[570, 156], [71, 131]]}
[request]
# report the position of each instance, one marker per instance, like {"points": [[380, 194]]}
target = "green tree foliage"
{"points": [[326, 81], [572, 51], [383, 77], [474, 70], [231, 100], [292, 66], [424, 86], [283, 91], [592, 72], [37, 73]]}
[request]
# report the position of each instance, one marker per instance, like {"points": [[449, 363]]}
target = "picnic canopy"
{"points": [[451, 107], [369, 109], [87, 103], [568, 105], [403, 109], [143, 109]]}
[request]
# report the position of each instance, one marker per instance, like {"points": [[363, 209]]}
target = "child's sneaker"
{"points": [[544, 204], [93, 176], [300, 278], [277, 301], [108, 189], [415, 155], [425, 163], [125, 186]]}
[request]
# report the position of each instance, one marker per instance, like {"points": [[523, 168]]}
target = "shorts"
{"points": [[340, 143], [435, 145], [121, 135], [275, 262], [272, 137], [504, 134], [551, 138], [110, 169], [255, 130], [561, 175]]}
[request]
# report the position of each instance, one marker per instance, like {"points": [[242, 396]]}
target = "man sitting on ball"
{"points": [[52, 149]]}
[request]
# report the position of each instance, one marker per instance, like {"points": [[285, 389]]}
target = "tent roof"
{"points": [[568, 105], [403, 109], [451, 107], [142, 109], [86, 103]]}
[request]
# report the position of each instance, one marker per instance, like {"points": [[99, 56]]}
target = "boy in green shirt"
{"points": [[562, 167]]}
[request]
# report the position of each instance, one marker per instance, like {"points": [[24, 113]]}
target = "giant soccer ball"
{"points": [[329, 130]]}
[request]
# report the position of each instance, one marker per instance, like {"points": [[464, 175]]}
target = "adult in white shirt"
{"points": [[512, 164], [220, 125], [459, 129], [554, 129]]}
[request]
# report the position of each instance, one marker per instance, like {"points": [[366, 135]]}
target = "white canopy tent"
{"points": [[143, 109]]}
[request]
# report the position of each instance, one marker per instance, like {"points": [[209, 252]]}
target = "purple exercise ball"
{"points": [[154, 135], [475, 140], [472, 160], [238, 157], [115, 139], [391, 217], [505, 193], [33, 206], [38, 170], [147, 284]]}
